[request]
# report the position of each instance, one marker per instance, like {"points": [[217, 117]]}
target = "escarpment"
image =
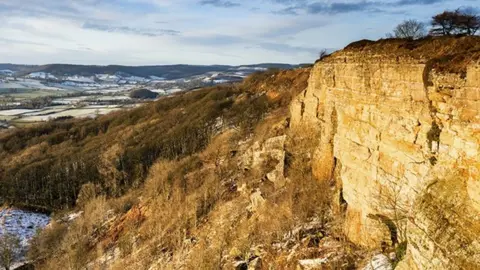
{"points": [[400, 133], [381, 146]]}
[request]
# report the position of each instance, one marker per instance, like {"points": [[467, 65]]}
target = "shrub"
{"points": [[47, 241], [9, 249], [87, 193]]}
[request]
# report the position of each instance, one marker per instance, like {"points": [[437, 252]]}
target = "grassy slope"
{"points": [[207, 208], [45, 166], [201, 209], [188, 205]]}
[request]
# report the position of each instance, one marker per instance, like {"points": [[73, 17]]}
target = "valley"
{"points": [[32, 94]]}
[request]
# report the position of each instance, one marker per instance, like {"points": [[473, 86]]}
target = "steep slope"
{"points": [[45, 166], [400, 133], [245, 199]]}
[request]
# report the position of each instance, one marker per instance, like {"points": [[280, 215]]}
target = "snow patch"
{"points": [[24, 225], [252, 68], [81, 79], [155, 78], [21, 223], [107, 77], [6, 72], [220, 81], [379, 262], [41, 75], [71, 217]]}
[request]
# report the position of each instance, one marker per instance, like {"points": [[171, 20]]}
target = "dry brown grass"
{"points": [[190, 214], [450, 54]]}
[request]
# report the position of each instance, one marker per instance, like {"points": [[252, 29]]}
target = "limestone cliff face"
{"points": [[400, 133]]}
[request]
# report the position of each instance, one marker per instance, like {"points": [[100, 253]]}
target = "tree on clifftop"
{"points": [[458, 22], [411, 29], [9, 248], [469, 22]]}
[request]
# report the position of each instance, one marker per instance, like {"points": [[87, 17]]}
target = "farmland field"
{"points": [[27, 94], [77, 113]]}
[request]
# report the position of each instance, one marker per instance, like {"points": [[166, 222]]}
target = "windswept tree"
{"points": [[469, 22], [9, 249], [411, 29], [458, 22], [443, 24]]}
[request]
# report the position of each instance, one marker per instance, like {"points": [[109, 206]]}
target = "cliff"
{"points": [[399, 134]]}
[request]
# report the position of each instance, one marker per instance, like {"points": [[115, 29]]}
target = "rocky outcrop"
{"points": [[268, 156], [400, 127]]}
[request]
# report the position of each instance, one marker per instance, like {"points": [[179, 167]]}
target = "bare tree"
{"points": [[393, 211], [411, 29], [323, 53], [9, 249]]}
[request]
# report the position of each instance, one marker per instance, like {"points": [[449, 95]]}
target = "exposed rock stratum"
{"points": [[400, 133]]}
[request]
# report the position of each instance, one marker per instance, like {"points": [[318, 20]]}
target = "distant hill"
{"points": [[169, 72], [143, 94], [17, 68]]}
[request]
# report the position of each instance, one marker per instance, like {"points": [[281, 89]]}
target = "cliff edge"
{"points": [[400, 134]]}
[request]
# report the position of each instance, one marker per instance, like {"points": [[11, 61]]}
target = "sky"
{"points": [[233, 32]]}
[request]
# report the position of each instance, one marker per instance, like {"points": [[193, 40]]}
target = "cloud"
{"points": [[130, 30], [184, 31], [219, 3], [14, 41], [417, 2], [285, 48], [336, 8], [213, 40], [287, 11], [298, 7]]}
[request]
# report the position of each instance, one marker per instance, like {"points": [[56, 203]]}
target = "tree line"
{"points": [[447, 23]]}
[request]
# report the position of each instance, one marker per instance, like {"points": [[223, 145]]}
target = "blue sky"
{"points": [[150, 32]]}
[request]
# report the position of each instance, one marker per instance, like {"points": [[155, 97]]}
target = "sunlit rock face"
{"points": [[403, 135]]}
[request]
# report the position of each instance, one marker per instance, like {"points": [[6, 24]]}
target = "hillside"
{"points": [[368, 160], [179, 152], [63, 155], [143, 94]]}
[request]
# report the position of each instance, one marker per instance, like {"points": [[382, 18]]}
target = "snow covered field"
{"points": [[48, 110], [16, 112], [21, 223], [68, 101], [24, 225], [40, 75], [86, 112], [57, 94], [50, 113], [26, 84]]}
